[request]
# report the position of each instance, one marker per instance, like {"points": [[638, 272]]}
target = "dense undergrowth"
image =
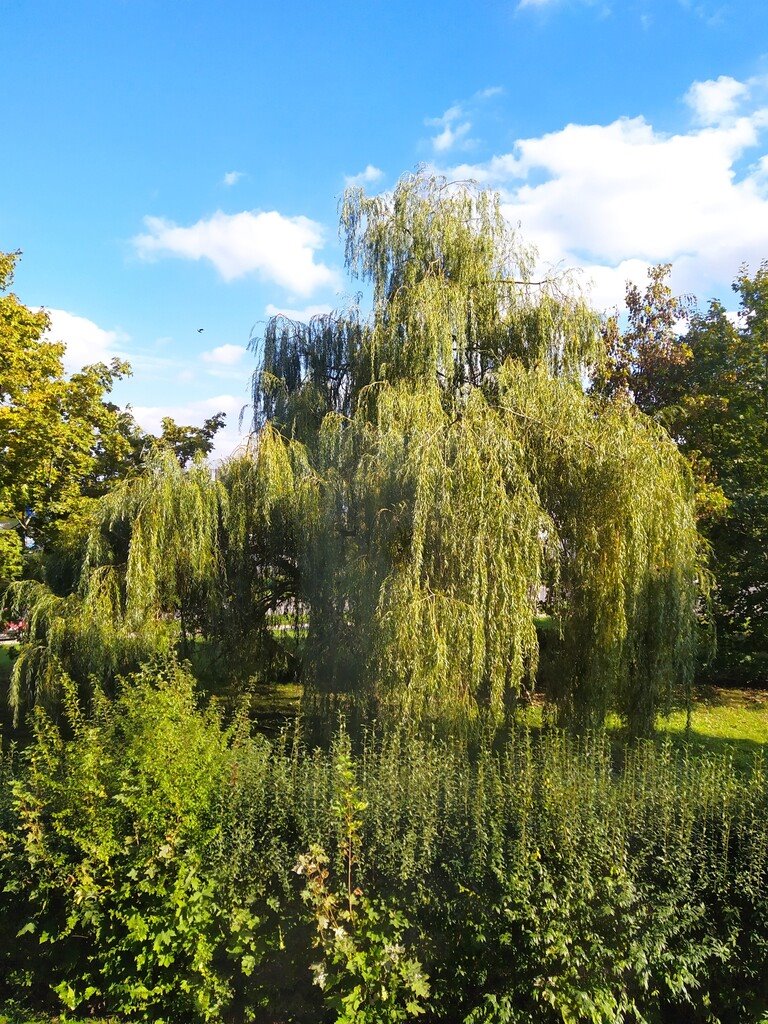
{"points": [[159, 865]]}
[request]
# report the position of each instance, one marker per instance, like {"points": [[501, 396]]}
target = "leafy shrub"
{"points": [[105, 868], [366, 973], [147, 856]]}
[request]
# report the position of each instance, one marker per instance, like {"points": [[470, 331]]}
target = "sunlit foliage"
{"points": [[422, 480], [459, 467]]}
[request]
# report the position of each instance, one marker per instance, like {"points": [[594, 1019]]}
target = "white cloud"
{"points": [[150, 418], [714, 100], [606, 285], [456, 123], [760, 171], [613, 198], [739, 319], [455, 131], [232, 178], [370, 175], [301, 315], [489, 93], [86, 342], [277, 248], [450, 137], [224, 355]]}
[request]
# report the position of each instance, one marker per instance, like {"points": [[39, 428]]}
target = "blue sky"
{"points": [[172, 165]]}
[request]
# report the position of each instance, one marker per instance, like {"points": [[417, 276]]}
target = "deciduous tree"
{"points": [[707, 382], [419, 476]]}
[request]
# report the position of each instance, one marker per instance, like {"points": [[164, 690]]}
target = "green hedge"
{"points": [[158, 865]]}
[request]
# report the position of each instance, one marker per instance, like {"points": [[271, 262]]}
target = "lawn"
{"points": [[724, 721]]}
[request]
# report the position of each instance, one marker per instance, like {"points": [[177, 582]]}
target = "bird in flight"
{"points": [[200, 330]]}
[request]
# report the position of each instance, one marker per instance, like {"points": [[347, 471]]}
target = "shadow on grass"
{"points": [[727, 722]]}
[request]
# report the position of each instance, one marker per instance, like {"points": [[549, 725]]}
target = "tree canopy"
{"points": [[707, 382], [62, 441], [421, 480]]}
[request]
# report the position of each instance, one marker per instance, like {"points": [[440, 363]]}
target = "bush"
{"points": [[103, 857], [148, 859]]}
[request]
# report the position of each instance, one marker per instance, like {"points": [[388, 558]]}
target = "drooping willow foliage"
{"points": [[150, 574], [453, 299], [420, 481], [461, 471], [425, 539], [629, 558]]}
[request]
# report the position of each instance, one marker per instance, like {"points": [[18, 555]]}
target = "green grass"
{"points": [[726, 715], [724, 721], [274, 705], [731, 721], [7, 652]]}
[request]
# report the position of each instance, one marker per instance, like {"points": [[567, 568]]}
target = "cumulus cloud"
{"points": [[278, 249], [232, 178], [456, 123], [86, 342], [369, 176], [454, 130], [715, 100], [607, 285], [224, 355], [615, 197]]}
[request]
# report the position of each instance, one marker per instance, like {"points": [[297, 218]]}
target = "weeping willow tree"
{"points": [[453, 467], [171, 555], [423, 538], [453, 300], [150, 572], [421, 478]]}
